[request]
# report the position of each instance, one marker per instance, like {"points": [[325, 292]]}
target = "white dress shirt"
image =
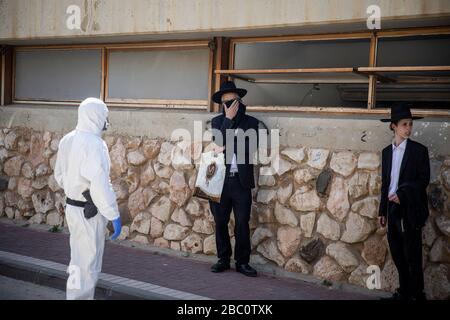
{"points": [[234, 167], [397, 157]]}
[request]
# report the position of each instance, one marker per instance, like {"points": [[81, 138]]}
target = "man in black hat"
{"points": [[239, 179], [404, 202]]}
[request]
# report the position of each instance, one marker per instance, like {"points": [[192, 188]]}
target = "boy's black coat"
{"points": [[413, 180]]}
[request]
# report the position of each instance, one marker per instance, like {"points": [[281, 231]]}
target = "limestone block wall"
{"points": [[317, 216]]}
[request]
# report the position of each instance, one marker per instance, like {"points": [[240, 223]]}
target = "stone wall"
{"points": [[317, 216]]}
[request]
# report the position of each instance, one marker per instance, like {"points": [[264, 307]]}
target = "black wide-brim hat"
{"points": [[227, 87], [400, 111]]}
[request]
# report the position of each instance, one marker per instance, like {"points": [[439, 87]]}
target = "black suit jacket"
{"points": [[412, 183], [245, 170]]}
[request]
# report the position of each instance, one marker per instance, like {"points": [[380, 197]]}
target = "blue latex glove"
{"points": [[117, 224]]}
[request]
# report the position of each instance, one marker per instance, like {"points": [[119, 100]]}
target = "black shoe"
{"points": [[245, 269], [220, 266], [420, 297]]}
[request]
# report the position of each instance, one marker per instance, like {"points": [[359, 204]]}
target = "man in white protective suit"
{"points": [[82, 170]]}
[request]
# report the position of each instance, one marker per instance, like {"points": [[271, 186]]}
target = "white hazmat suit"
{"points": [[83, 163]]}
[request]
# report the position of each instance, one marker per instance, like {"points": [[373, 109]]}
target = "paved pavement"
{"points": [[176, 273]]}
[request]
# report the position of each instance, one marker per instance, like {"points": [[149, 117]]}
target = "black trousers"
{"points": [[405, 243], [239, 199]]}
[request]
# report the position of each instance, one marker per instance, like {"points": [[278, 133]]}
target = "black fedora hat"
{"points": [[400, 111], [228, 87]]}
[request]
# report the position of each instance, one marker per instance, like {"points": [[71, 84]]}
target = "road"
{"points": [[12, 289]]}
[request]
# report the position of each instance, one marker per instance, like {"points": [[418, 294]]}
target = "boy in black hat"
{"points": [[239, 180], [404, 202]]}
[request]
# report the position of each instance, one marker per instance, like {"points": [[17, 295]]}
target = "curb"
{"points": [[109, 287]]}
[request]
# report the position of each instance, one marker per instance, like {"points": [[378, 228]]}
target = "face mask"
{"points": [[229, 103], [241, 105], [106, 125]]}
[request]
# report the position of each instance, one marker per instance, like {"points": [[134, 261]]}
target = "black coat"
{"points": [[413, 181], [246, 174]]}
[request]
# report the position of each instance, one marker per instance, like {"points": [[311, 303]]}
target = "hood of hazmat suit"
{"points": [[82, 163]]}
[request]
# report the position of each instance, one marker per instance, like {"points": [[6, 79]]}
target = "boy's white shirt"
{"points": [[397, 157]]}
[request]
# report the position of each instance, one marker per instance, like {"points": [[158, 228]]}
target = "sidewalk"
{"points": [[172, 276]]}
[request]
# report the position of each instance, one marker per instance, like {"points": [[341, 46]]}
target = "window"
{"points": [[345, 73], [360, 72], [325, 87], [414, 51], [302, 54], [140, 76], [164, 75], [424, 79], [57, 75]]}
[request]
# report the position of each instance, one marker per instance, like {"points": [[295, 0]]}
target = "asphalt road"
{"points": [[12, 289]]}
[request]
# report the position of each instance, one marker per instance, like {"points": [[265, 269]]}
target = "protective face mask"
{"points": [[229, 103], [106, 125], [241, 108]]}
